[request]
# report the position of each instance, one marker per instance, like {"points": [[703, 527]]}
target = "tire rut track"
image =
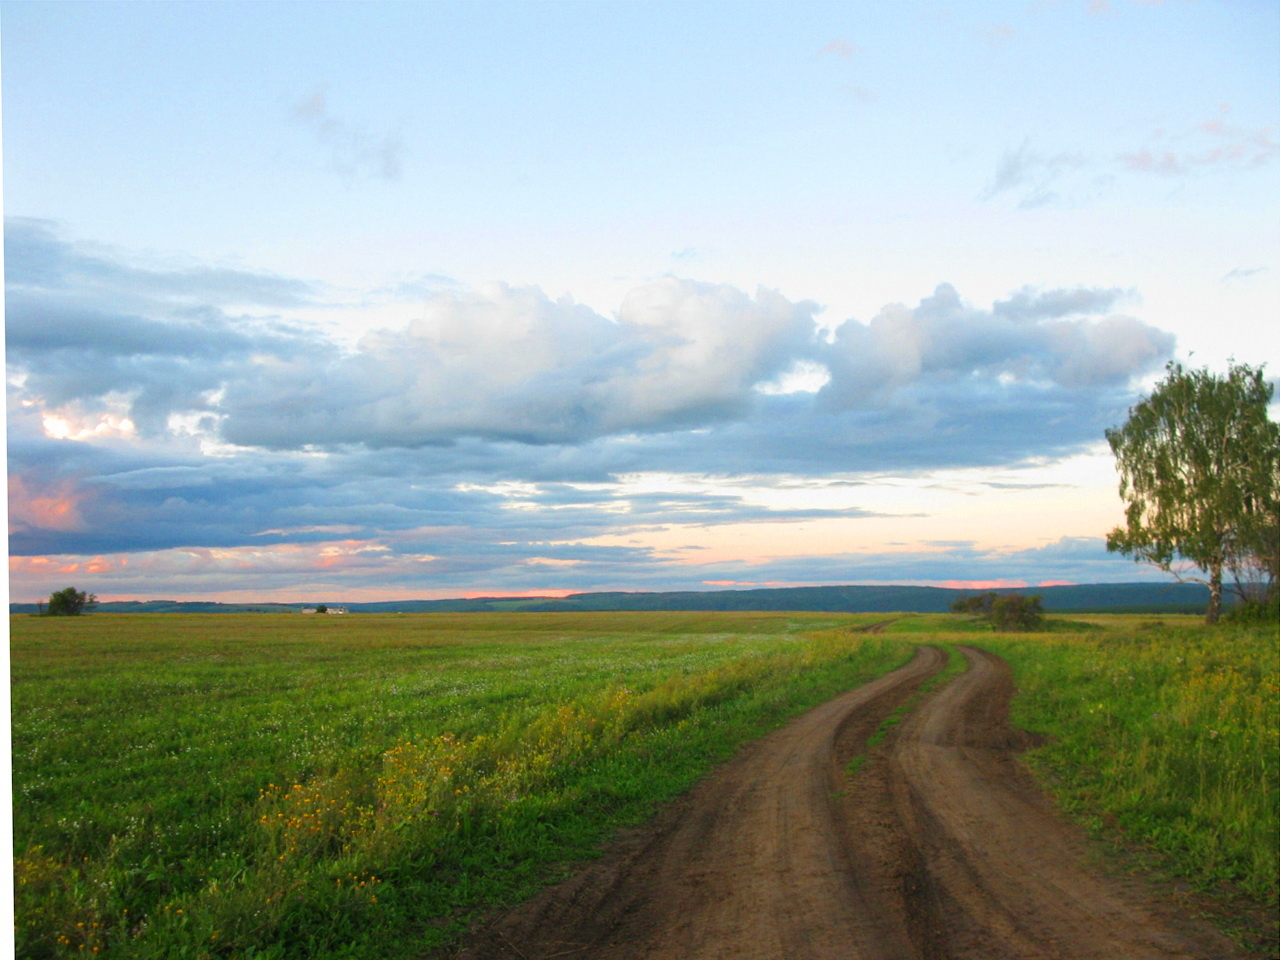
{"points": [[748, 865], [987, 869], [940, 848]]}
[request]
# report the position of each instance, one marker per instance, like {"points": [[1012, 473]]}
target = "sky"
{"points": [[351, 302]]}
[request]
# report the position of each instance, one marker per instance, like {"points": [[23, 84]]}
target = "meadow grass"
{"points": [[275, 786]]}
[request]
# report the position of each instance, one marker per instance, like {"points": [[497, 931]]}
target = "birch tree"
{"points": [[1198, 463]]}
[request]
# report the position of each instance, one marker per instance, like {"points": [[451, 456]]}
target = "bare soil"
{"points": [[941, 847]]}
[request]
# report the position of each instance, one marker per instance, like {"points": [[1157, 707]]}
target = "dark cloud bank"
{"points": [[412, 429]]}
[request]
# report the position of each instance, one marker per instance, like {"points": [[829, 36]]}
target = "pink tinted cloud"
{"points": [[63, 566], [1144, 161], [1228, 145], [279, 571], [53, 507], [982, 584], [753, 583]]}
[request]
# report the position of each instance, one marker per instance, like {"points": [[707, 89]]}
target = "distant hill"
{"points": [[176, 606], [1081, 598]]}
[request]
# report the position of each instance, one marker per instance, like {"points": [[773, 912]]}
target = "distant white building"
{"points": [[326, 610]]}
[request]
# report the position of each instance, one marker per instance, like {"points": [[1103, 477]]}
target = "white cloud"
{"points": [[804, 376], [1213, 147], [509, 362], [504, 364], [706, 346], [1032, 174], [1051, 337], [839, 48], [352, 150], [1243, 273]]}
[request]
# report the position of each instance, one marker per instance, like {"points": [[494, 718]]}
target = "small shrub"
{"points": [[1255, 611], [1012, 611], [1016, 612]]}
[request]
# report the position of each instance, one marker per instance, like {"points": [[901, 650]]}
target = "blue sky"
{"points": [[323, 301]]}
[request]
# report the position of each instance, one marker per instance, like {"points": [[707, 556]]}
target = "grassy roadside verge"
{"points": [[276, 787], [1165, 741]]}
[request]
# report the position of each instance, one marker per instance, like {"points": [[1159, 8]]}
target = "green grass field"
{"points": [[270, 786], [357, 787]]}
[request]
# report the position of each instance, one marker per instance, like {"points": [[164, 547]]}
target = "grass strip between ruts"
{"points": [[956, 665]]}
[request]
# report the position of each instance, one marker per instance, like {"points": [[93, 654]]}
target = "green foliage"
{"points": [[1012, 611], [1264, 610], [70, 602], [980, 604], [241, 785], [1199, 465]]}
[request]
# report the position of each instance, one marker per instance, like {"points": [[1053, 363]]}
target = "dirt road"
{"points": [[939, 848]]}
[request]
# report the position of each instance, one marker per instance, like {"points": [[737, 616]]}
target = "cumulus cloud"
{"points": [[1050, 338], [498, 362], [503, 362], [509, 364], [705, 347], [500, 423]]}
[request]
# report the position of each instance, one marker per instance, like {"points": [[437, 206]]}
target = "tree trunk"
{"points": [[1215, 594]]}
